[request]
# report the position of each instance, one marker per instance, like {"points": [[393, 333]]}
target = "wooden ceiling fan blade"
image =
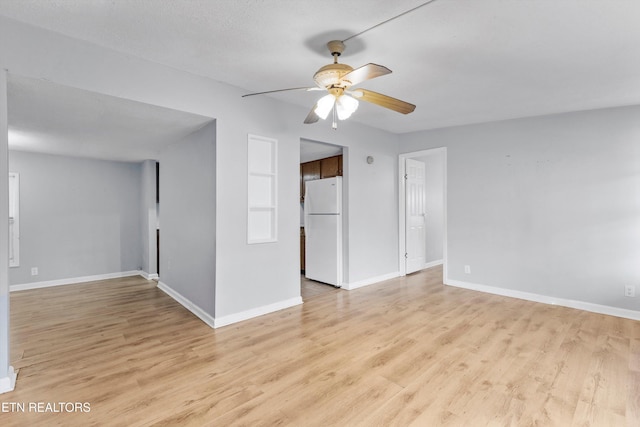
{"points": [[383, 100], [312, 117], [284, 90], [364, 73]]}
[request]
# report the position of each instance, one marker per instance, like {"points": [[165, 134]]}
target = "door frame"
{"points": [[345, 204], [402, 211]]}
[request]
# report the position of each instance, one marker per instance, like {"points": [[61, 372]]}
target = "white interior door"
{"points": [[415, 215]]}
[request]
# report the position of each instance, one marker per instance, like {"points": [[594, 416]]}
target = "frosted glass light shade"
{"points": [[325, 104], [346, 106]]}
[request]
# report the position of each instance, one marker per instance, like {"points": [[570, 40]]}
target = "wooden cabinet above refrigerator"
{"points": [[319, 169]]}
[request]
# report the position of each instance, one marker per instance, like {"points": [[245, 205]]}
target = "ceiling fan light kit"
{"points": [[324, 106], [346, 106]]}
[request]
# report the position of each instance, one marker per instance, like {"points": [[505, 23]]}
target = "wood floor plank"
{"points": [[428, 395], [634, 355], [409, 351], [632, 414], [607, 367]]}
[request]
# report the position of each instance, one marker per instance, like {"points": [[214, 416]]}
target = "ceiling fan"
{"points": [[338, 79]]}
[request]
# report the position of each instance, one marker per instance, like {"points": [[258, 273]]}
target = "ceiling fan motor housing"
{"points": [[330, 75]]}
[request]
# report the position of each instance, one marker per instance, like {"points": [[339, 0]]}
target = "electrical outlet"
{"points": [[629, 291], [34, 271], [467, 269]]}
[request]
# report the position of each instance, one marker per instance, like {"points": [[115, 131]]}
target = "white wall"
{"points": [[370, 195], [372, 210], [188, 231], [434, 205], [6, 373], [78, 217], [546, 205], [148, 217]]}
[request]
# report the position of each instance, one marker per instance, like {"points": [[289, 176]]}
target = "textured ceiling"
{"points": [[459, 61]]}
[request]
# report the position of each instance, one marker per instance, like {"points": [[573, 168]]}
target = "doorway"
{"points": [[422, 210], [318, 161], [81, 153]]}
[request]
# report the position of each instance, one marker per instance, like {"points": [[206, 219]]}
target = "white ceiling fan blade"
{"points": [[383, 100], [284, 90], [364, 73], [312, 117]]}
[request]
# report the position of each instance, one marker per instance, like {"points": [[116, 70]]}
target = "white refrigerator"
{"points": [[323, 230]]}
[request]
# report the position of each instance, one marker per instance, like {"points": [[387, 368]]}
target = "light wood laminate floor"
{"points": [[311, 288], [408, 351]]}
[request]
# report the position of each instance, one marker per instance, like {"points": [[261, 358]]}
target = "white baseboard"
{"points": [[149, 276], [8, 383], [580, 305], [433, 264], [73, 280], [370, 281], [186, 303], [232, 318], [255, 312]]}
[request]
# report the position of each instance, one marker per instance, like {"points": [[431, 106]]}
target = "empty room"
{"points": [[411, 213]]}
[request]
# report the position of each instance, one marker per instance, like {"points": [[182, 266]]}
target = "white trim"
{"points": [[8, 383], [580, 305], [432, 264], [255, 312], [73, 280], [186, 303], [14, 219], [149, 276], [401, 208], [232, 318], [370, 281]]}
